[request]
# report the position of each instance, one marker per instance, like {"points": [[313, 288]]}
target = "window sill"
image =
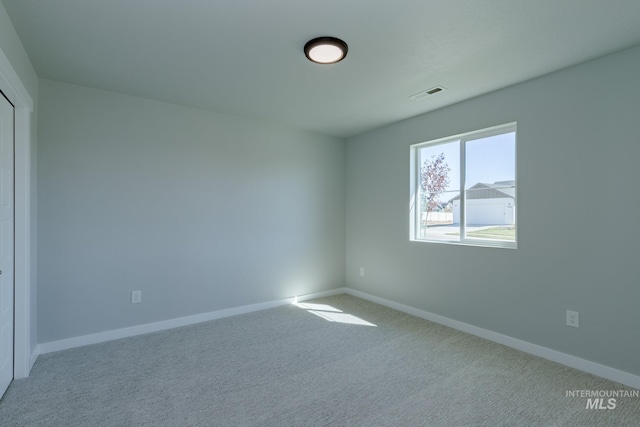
{"points": [[475, 243]]}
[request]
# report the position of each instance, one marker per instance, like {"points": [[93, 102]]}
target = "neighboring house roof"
{"points": [[497, 190]]}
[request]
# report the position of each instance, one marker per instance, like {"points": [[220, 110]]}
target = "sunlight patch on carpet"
{"points": [[332, 314]]}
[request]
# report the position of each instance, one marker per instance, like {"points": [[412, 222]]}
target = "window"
{"points": [[463, 189]]}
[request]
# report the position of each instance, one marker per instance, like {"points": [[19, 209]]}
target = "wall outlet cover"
{"points": [[573, 319], [136, 297]]}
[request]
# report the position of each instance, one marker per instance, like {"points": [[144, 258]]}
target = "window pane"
{"points": [[490, 193], [439, 189], [485, 213]]}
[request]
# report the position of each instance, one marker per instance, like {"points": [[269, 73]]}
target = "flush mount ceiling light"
{"points": [[325, 50]]}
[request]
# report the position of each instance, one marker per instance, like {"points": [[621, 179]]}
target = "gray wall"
{"points": [[200, 211], [14, 51], [12, 47], [578, 151]]}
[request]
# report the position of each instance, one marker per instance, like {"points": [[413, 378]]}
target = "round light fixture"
{"points": [[325, 50]]}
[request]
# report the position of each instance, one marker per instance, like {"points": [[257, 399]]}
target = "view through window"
{"points": [[463, 188]]}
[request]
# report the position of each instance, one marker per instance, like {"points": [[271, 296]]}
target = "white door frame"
{"points": [[14, 89]]}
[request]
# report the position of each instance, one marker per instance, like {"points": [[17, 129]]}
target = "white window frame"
{"points": [[414, 208]]}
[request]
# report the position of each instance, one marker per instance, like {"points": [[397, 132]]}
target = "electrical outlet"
{"points": [[136, 297], [573, 319], [362, 271]]}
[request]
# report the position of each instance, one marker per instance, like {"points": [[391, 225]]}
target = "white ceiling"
{"points": [[245, 57]]}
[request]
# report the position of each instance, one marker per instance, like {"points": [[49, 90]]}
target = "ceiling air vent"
{"points": [[421, 95]]}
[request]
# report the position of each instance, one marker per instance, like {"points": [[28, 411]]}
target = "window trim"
{"points": [[462, 139]]}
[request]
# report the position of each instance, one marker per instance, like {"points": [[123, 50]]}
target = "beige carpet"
{"points": [[319, 364]]}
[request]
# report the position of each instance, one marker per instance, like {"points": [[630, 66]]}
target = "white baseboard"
{"points": [[80, 341], [603, 371]]}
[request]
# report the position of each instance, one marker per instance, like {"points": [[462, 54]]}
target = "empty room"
{"points": [[338, 213]]}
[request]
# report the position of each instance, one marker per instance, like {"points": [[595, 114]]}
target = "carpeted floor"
{"points": [[303, 366]]}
